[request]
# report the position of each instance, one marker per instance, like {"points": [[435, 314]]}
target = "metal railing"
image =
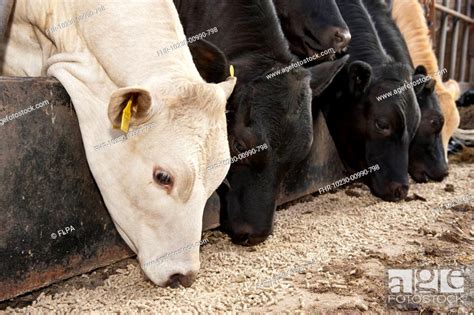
{"points": [[451, 23]]}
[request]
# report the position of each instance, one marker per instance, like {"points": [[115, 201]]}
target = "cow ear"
{"points": [[210, 61], [430, 85], [453, 88], [421, 70], [418, 88], [141, 105], [323, 74], [360, 76]]}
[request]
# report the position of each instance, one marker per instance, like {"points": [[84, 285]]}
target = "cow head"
{"points": [[312, 26], [274, 112], [155, 183], [369, 130], [427, 158]]}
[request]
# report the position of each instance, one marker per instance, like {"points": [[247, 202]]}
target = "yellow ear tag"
{"points": [[232, 71], [126, 115]]}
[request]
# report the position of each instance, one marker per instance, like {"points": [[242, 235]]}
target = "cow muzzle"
{"points": [[178, 279]]}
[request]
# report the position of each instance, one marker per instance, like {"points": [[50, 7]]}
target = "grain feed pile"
{"points": [[327, 253]]}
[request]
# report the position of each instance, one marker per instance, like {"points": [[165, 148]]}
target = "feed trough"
{"points": [[54, 221]]}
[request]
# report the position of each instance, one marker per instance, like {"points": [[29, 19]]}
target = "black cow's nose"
{"points": [[436, 174], [247, 235], [440, 175], [341, 38], [248, 239], [398, 191], [179, 279]]}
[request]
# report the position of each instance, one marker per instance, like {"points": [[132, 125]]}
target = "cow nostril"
{"points": [[445, 174], [401, 192], [441, 175], [240, 239], [249, 239], [173, 281], [188, 279], [422, 177], [254, 240], [179, 279]]}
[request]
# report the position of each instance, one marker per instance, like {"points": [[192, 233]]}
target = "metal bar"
{"points": [[449, 11], [454, 41], [443, 35], [465, 43], [432, 21]]}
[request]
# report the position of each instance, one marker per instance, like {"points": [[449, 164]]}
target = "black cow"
{"points": [[274, 111], [426, 157], [367, 129], [312, 26], [466, 99]]}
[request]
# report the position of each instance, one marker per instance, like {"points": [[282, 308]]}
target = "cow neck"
{"points": [[365, 44], [262, 46], [129, 51], [263, 37], [387, 31], [245, 27]]}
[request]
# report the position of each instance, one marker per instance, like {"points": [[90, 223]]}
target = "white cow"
{"points": [[154, 185]]}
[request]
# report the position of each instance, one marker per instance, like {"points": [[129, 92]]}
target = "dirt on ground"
{"points": [[329, 254]]}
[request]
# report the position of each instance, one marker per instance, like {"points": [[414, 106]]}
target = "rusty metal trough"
{"points": [[53, 222]]}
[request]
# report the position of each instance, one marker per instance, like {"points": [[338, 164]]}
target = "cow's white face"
{"points": [[157, 182]]}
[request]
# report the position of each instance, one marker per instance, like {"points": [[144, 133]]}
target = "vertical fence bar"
{"points": [[442, 36], [454, 40], [465, 44], [460, 67], [432, 21]]}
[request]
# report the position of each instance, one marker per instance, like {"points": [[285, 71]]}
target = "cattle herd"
{"points": [[156, 185]]}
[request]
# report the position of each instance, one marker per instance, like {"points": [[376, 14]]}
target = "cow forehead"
{"points": [[429, 100], [207, 101], [183, 138], [393, 71], [393, 108]]}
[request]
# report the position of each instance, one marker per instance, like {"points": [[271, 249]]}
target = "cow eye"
{"points": [[437, 124], [163, 178], [382, 125]]}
